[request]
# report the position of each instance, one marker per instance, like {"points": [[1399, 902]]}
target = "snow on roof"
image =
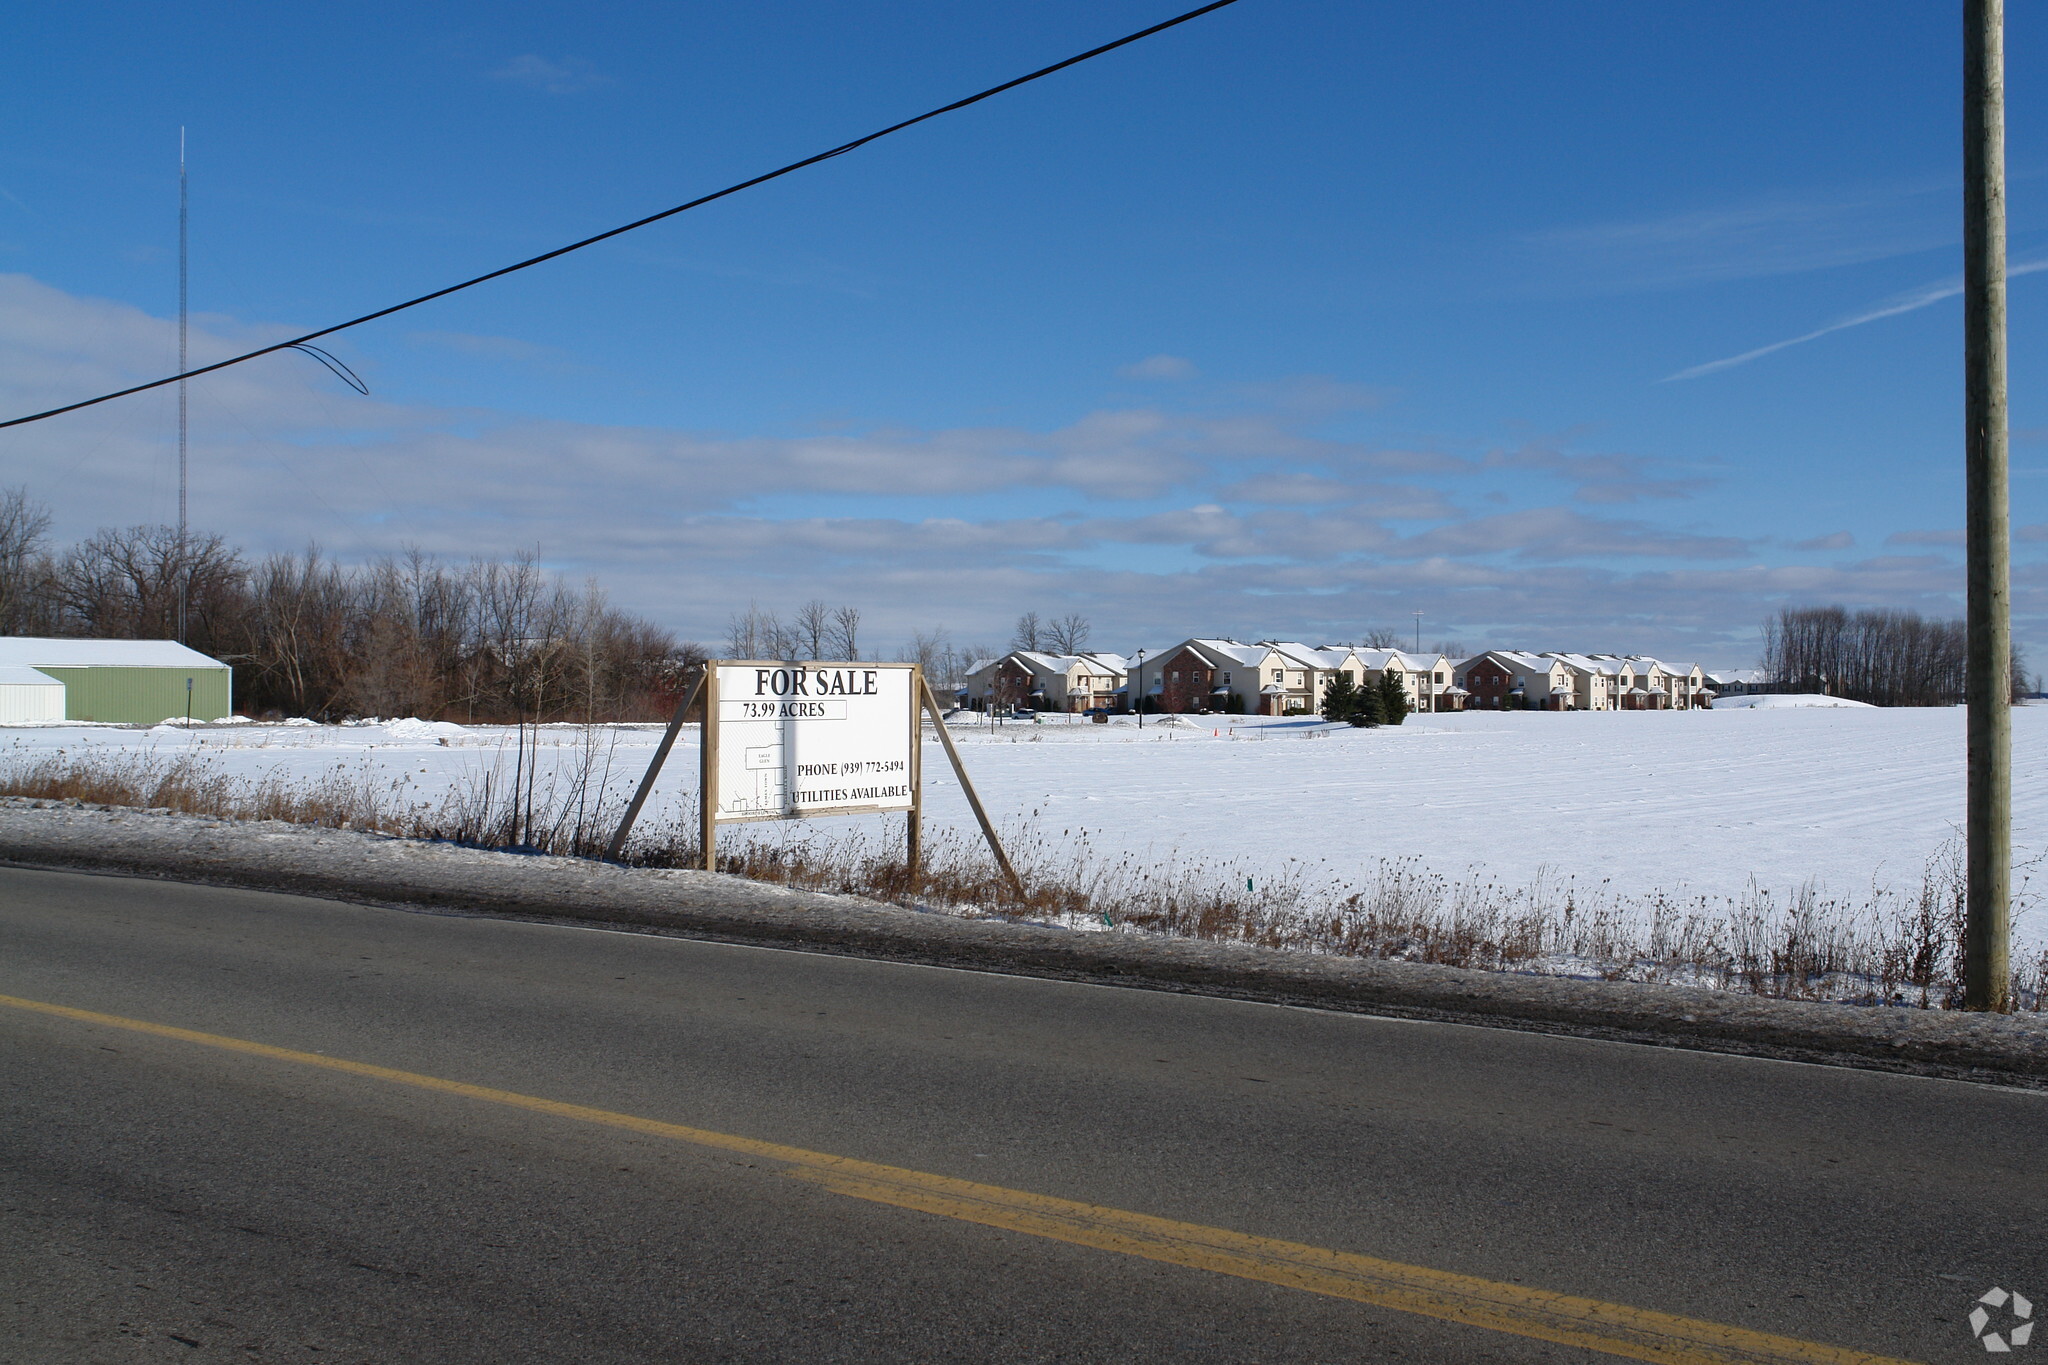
{"points": [[30, 651], [1249, 655], [1039, 662], [21, 675], [1751, 676], [1588, 663], [1297, 653]]}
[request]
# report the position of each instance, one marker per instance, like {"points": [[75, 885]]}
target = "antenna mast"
{"points": [[184, 298], [184, 326]]}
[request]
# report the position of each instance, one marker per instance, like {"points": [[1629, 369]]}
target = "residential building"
{"points": [[1505, 679], [1216, 675], [1739, 682], [1037, 681]]}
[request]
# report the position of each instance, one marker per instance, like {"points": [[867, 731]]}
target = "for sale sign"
{"points": [[796, 740]]}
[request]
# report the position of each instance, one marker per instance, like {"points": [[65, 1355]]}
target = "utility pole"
{"points": [[1987, 688], [184, 321]]}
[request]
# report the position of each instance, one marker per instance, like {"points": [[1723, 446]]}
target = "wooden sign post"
{"points": [[787, 741]]}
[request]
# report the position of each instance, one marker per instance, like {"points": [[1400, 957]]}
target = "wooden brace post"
{"points": [[988, 831], [668, 741]]}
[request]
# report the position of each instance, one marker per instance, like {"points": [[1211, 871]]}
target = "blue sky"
{"points": [[1288, 323]]}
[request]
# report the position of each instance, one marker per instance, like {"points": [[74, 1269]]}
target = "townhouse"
{"points": [[1221, 675], [1512, 679], [1212, 675], [1507, 679], [1037, 681], [1428, 679]]}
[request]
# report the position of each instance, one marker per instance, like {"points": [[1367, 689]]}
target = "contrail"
{"points": [[1904, 303]]}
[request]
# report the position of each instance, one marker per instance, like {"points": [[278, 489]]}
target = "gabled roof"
{"points": [[1513, 658], [31, 651], [1399, 658], [1302, 656], [1587, 663], [1223, 653], [1038, 662]]}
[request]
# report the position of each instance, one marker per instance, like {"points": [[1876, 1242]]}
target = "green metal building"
{"points": [[128, 682]]}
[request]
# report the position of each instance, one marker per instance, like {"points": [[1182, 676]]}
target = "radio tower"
{"points": [[184, 299]]}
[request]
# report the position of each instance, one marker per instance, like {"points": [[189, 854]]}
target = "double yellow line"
{"points": [[1613, 1328]]}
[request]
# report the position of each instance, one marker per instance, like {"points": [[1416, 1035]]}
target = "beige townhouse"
{"points": [[1046, 682]]}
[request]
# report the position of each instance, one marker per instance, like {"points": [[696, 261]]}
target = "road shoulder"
{"points": [[444, 879]]}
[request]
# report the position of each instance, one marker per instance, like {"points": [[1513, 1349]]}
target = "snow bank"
{"points": [[1787, 701], [416, 731]]}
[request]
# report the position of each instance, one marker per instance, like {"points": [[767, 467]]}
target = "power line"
{"points": [[840, 150]]}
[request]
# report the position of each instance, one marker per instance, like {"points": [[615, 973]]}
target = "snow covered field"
{"points": [[1686, 803]]}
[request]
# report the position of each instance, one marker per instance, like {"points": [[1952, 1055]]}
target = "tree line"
{"points": [[1886, 658], [490, 641], [404, 635]]}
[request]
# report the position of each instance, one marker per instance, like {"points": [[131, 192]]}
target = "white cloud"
{"points": [[1250, 518], [1940, 537], [567, 76], [1160, 367], [1839, 540], [1754, 240]]}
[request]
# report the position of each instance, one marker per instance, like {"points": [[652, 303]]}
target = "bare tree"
{"points": [[1029, 634], [1453, 650], [125, 584], [929, 651], [844, 637], [757, 634], [493, 640], [1068, 635], [1381, 639], [813, 627], [1887, 658], [23, 524]]}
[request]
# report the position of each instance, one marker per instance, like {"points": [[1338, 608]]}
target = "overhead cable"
{"points": [[840, 150]]}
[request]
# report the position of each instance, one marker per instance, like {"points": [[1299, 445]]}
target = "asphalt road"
{"points": [[236, 1196]]}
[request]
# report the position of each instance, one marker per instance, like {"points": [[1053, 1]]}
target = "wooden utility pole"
{"points": [[1987, 690], [707, 771]]}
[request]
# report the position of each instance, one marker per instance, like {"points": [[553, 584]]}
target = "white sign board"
{"points": [[797, 740]]}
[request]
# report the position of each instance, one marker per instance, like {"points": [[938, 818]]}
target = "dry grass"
{"points": [[1890, 945]]}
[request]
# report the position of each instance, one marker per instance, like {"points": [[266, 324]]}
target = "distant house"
{"points": [[1506, 679], [1428, 679], [1739, 682], [1686, 684], [1038, 681], [131, 682], [1214, 676], [1600, 682]]}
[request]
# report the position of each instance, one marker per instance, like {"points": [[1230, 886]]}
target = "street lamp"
{"points": [[1138, 691]]}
